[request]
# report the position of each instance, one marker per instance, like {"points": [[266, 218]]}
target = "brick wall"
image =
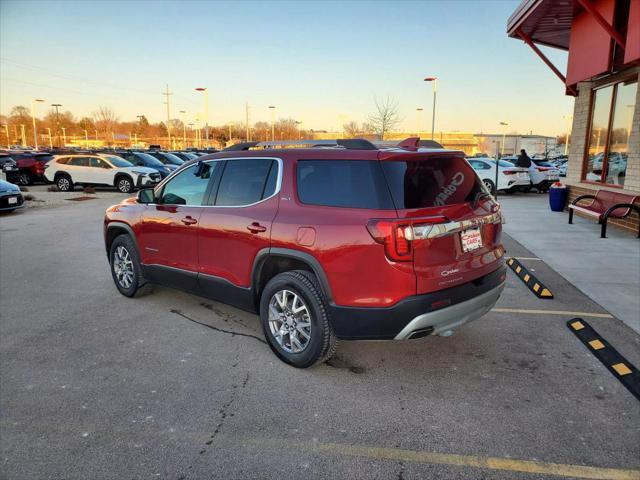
{"points": [[578, 145]]}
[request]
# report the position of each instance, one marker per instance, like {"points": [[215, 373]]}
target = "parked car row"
{"points": [[539, 176], [125, 170]]}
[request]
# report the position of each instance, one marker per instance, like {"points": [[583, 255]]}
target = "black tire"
{"points": [[124, 184], [138, 284], [64, 183], [322, 343], [24, 178], [490, 186]]}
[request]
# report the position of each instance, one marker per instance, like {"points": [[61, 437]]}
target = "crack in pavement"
{"points": [[232, 333]]}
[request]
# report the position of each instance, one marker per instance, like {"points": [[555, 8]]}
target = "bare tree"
{"points": [[351, 129], [105, 119], [385, 118]]}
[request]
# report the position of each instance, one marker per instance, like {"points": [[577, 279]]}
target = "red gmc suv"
{"points": [[338, 241]]}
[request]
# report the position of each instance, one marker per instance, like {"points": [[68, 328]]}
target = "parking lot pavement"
{"points": [[94, 385]]}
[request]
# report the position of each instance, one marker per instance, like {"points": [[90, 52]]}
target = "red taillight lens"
{"points": [[509, 172], [544, 169], [392, 235]]}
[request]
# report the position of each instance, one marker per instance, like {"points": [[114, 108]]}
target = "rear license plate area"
{"points": [[471, 240]]}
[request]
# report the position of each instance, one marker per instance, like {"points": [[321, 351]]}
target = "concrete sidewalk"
{"points": [[606, 270]]}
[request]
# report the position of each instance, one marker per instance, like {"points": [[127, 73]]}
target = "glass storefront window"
{"points": [[620, 131], [599, 133], [613, 107]]}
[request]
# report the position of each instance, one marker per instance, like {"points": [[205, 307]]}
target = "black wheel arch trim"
{"points": [[122, 226], [305, 257]]}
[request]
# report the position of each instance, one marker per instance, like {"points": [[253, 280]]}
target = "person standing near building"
{"points": [[523, 160]]}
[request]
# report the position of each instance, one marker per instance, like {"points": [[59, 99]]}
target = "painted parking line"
{"points": [[619, 366], [530, 280], [552, 312], [455, 460]]}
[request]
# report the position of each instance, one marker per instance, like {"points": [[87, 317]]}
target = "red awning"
{"points": [[546, 22]]}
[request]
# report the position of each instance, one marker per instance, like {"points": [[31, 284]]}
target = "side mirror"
{"points": [[146, 195]]}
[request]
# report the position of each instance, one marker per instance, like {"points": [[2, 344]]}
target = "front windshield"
{"points": [[149, 160], [171, 158], [119, 162]]}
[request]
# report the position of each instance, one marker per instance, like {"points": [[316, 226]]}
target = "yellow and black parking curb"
{"points": [[624, 371], [530, 280]]}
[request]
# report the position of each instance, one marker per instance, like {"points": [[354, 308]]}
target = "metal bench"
{"points": [[605, 204]]}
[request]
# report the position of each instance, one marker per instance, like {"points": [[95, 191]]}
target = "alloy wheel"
{"points": [[289, 321], [124, 185], [123, 267], [64, 184]]}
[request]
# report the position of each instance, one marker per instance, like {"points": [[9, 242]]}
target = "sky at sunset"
{"points": [[322, 63]]}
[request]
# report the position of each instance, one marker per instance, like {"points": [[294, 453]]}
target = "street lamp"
{"points": [[504, 133], [568, 118], [86, 138], [184, 128], [64, 136], [33, 116], [24, 138], [434, 81], [298, 123], [6, 131], [273, 119], [205, 90], [56, 105], [50, 139], [419, 111]]}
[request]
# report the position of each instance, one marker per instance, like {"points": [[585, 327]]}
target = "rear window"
{"points": [[343, 183], [431, 182]]}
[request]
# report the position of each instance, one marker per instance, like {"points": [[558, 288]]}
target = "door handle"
{"points": [[255, 227], [189, 220]]}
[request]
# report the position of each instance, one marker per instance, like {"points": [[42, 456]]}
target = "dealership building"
{"points": [[602, 38]]}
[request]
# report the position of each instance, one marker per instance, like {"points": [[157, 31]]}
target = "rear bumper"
{"points": [[416, 316]]}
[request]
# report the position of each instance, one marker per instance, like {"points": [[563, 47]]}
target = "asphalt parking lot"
{"points": [[172, 386]]}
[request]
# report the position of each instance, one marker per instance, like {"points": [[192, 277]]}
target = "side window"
{"points": [[246, 181], [186, 188], [63, 160], [79, 161], [97, 163], [343, 183]]}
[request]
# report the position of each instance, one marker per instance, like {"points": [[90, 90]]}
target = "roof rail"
{"points": [[346, 143], [238, 147]]}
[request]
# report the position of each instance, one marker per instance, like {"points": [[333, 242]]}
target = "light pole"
{"points": [[568, 118], [64, 136], [56, 105], [184, 128], [86, 138], [504, 133], [273, 121], [6, 131], [298, 123], [33, 116], [191, 128], [246, 117], [434, 81], [205, 90], [96, 131], [24, 138], [419, 111], [50, 139]]}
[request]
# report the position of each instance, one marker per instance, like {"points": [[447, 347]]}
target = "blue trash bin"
{"points": [[557, 198]]}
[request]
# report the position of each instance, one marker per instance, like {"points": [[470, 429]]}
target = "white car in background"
{"points": [[510, 178], [66, 171], [542, 172]]}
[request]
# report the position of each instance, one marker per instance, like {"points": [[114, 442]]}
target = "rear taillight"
{"points": [[391, 234], [397, 235], [544, 169], [509, 172]]}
